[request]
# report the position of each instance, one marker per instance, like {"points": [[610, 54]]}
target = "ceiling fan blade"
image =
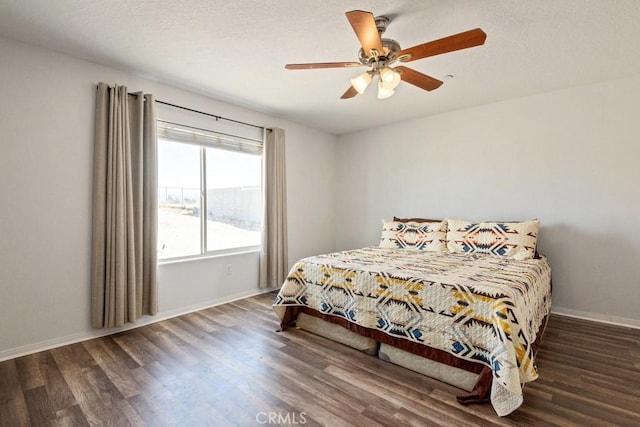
{"points": [[418, 79], [458, 41], [350, 93], [312, 66], [364, 25]]}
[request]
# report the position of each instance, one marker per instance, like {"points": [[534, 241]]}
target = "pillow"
{"points": [[424, 236], [515, 240]]}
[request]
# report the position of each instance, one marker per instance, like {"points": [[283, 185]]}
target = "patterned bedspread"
{"points": [[476, 307]]}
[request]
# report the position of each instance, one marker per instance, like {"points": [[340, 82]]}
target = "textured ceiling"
{"points": [[235, 51]]}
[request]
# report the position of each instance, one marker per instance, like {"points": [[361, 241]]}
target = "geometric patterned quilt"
{"points": [[476, 307]]}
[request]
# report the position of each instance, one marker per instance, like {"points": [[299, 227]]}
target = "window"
{"points": [[203, 171]]}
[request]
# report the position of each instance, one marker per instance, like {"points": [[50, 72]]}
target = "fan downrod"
{"points": [[382, 22]]}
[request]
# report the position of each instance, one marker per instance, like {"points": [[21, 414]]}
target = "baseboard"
{"points": [[595, 317], [12, 353]]}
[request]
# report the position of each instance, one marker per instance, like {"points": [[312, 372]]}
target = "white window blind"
{"points": [[193, 135]]}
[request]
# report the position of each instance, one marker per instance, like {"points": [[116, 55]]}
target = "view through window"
{"points": [[202, 172]]}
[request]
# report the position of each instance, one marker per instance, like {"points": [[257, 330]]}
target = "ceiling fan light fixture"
{"points": [[378, 54], [389, 78], [384, 92], [361, 82]]}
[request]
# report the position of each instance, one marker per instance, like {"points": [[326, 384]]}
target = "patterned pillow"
{"points": [[515, 240], [424, 236]]}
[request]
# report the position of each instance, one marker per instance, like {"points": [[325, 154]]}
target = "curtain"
{"points": [[125, 215], [273, 255]]}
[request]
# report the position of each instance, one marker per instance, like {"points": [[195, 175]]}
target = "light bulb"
{"points": [[383, 92], [361, 82], [389, 78]]}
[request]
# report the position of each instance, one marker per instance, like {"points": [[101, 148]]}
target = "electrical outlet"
{"points": [[228, 271]]}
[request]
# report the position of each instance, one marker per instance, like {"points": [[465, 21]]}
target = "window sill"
{"points": [[211, 255]]}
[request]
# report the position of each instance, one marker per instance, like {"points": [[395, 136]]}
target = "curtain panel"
{"points": [[273, 255], [125, 214]]}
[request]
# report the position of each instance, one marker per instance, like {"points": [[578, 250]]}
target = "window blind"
{"points": [[198, 136]]}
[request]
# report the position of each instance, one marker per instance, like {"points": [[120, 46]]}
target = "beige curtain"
{"points": [[273, 256], [125, 216]]}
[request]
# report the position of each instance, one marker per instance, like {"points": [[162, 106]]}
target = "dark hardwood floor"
{"points": [[227, 366]]}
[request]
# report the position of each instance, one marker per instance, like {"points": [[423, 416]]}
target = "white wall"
{"points": [[569, 158], [46, 137]]}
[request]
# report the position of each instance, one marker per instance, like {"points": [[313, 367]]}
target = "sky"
{"points": [[179, 166]]}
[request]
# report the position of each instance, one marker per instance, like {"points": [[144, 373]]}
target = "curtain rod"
{"points": [[206, 114], [211, 115]]}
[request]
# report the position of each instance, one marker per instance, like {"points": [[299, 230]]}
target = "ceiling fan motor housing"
{"points": [[390, 54]]}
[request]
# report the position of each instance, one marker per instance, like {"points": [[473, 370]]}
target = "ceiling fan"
{"points": [[380, 53]]}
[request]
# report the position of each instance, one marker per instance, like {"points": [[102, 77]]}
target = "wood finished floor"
{"points": [[227, 366]]}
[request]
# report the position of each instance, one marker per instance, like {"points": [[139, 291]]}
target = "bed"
{"points": [[451, 292]]}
